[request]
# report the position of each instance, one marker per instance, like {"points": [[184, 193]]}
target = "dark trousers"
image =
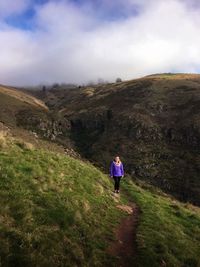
{"points": [[117, 181]]}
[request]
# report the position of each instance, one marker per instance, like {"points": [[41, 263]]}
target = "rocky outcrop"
{"points": [[47, 125]]}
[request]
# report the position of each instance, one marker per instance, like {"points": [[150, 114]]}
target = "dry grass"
{"points": [[174, 76], [89, 91], [23, 97], [3, 136], [24, 145], [2, 140]]}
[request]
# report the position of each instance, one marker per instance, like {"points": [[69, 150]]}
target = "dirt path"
{"points": [[124, 248]]}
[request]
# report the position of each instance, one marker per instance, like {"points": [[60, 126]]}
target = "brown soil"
{"points": [[124, 247]]}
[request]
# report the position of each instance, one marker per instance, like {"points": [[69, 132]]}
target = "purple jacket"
{"points": [[116, 170]]}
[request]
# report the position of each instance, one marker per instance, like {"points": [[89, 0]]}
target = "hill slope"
{"points": [[153, 123], [25, 98], [13, 101], [58, 211], [55, 210], [25, 115]]}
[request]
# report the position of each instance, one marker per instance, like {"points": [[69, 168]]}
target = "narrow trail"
{"points": [[124, 247]]}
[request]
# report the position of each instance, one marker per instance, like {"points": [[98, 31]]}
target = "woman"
{"points": [[116, 172]]}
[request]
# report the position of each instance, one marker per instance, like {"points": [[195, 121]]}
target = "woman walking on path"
{"points": [[116, 172]]}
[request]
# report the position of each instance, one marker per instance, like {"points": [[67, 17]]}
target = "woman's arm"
{"points": [[122, 169], [111, 169]]}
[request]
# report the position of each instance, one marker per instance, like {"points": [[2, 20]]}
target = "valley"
{"points": [[153, 123], [58, 206]]}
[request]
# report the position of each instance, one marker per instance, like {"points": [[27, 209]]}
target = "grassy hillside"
{"points": [[55, 210], [59, 211], [168, 232], [23, 97], [13, 101]]}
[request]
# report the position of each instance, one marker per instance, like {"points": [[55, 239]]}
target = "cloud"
{"points": [[82, 42]]}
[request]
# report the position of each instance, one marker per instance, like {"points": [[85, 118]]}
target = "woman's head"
{"points": [[117, 159]]}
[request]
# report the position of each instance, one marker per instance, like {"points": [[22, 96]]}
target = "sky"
{"points": [[80, 41]]}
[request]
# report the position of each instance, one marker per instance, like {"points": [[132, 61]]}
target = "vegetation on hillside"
{"points": [[59, 211], [153, 122], [55, 210], [168, 233], [13, 101]]}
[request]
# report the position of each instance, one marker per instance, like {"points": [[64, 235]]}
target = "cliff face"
{"points": [[152, 123]]}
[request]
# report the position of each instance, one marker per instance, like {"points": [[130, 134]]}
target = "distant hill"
{"points": [[174, 76], [152, 122], [28, 117], [12, 101], [20, 96]]}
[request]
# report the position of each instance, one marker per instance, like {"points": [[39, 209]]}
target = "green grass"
{"points": [[168, 231], [55, 210], [59, 211]]}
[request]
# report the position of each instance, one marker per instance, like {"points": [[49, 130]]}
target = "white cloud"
{"points": [[71, 44]]}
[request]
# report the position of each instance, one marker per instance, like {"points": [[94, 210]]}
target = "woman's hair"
{"points": [[117, 157]]}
